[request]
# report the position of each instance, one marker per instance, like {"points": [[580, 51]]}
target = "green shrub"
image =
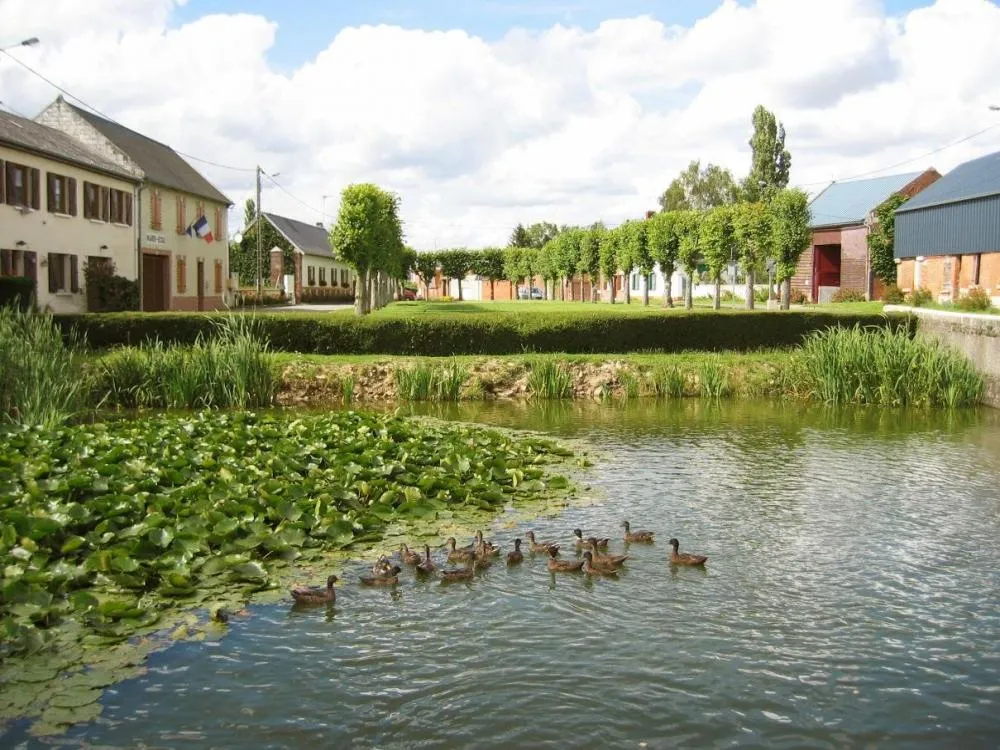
{"points": [[107, 292], [17, 291], [848, 295], [761, 295], [893, 295], [549, 380], [976, 300], [487, 333], [920, 297], [887, 368], [713, 380], [629, 383], [797, 297], [669, 381], [337, 294]]}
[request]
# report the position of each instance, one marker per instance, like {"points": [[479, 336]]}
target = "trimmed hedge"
{"points": [[17, 291], [487, 334]]}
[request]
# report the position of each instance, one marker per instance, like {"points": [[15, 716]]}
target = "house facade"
{"points": [[62, 209], [948, 238], [318, 275], [838, 255], [181, 217]]}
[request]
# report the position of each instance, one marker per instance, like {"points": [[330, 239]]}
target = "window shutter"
{"points": [[74, 276], [128, 209], [50, 197], [3, 182], [36, 189], [105, 204], [53, 285], [71, 201]]}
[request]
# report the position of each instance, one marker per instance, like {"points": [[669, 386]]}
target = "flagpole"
{"points": [[260, 280]]}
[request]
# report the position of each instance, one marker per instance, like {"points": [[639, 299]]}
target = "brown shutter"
{"points": [[105, 204], [74, 275], [71, 201], [36, 189], [50, 180], [128, 209], [3, 182], [52, 275]]}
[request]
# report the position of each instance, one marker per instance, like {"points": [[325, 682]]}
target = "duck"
{"points": [[536, 546], [460, 574], [459, 554], [427, 566], [636, 536], [485, 547], [409, 556], [684, 558], [315, 595], [382, 566], [615, 561], [389, 578], [592, 568], [563, 566], [581, 542], [516, 556]]}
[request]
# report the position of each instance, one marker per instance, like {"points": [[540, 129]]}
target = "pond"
{"points": [[850, 599]]}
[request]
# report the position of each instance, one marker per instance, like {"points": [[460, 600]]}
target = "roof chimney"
{"points": [[650, 214], [320, 225]]}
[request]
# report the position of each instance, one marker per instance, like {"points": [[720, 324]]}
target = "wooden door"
{"points": [[154, 282], [826, 268], [201, 285]]}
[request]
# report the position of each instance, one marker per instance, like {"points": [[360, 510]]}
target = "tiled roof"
{"points": [[19, 132], [844, 203]]}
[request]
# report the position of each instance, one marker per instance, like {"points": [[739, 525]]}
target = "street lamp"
{"points": [[23, 43]]}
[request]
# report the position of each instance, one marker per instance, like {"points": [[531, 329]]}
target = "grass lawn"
{"points": [[539, 307]]}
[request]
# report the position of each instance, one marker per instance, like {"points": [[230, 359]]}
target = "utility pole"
{"points": [[260, 273]]}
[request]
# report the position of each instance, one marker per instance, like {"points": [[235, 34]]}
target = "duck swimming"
{"points": [[409, 556], [389, 578], [563, 566], [581, 542], [427, 565], [536, 546], [516, 556], [316, 595], [593, 569], [684, 558], [641, 536], [459, 554], [614, 561]]}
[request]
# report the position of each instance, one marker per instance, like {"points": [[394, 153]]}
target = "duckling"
{"points": [[427, 566], [581, 542], [636, 536], [316, 595], [684, 558], [594, 569], [515, 557], [390, 578], [485, 547], [460, 574], [382, 566], [536, 546], [459, 554], [562, 566], [600, 560], [409, 556]]}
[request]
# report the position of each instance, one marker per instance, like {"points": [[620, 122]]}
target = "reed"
{"points": [[40, 382], [416, 383], [713, 379], [450, 380], [669, 381], [347, 387], [887, 368], [629, 383], [548, 379]]}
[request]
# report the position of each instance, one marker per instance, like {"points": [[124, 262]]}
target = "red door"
{"points": [[826, 267]]}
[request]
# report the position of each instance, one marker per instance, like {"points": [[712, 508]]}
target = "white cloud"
{"points": [[566, 125]]}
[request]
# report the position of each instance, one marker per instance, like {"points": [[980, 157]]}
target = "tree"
{"points": [[635, 237], [589, 263], [607, 243], [664, 247], [882, 237], [519, 237], [546, 266], [243, 257], [626, 260], [540, 234], [368, 236], [790, 236], [717, 245], [771, 161], [488, 264], [425, 267], [513, 267], [455, 264], [700, 189], [752, 230], [688, 228], [249, 213], [567, 248]]}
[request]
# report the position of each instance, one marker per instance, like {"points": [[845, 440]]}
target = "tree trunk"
{"points": [[750, 289], [460, 297], [645, 291], [427, 290], [689, 292], [668, 288], [786, 294], [717, 300], [593, 290], [491, 290], [626, 278], [611, 286], [360, 285]]}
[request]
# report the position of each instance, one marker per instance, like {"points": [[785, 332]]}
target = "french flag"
{"points": [[200, 228]]}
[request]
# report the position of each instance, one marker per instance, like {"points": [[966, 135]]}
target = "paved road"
{"points": [[307, 308]]}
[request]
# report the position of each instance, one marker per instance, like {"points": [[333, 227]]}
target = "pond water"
{"points": [[850, 599]]}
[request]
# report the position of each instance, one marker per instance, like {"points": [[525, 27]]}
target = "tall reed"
{"points": [[713, 379], [450, 380], [887, 368], [416, 383], [669, 381], [40, 382], [548, 379]]}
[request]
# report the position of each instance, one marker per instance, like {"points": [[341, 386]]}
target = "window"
{"points": [[95, 202], [976, 262], [181, 212], [18, 263], [120, 207], [218, 277], [634, 281], [344, 280], [219, 233], [21, 186], [651, 282], [181, 274], [61, 194], [322, 276], [156, 210], [312, 275], [63, 273]]}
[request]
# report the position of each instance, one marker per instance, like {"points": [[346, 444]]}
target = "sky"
{"points": [[481, 114]]}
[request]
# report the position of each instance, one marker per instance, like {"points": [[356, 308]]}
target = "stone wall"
{"points": [[977, 336]]}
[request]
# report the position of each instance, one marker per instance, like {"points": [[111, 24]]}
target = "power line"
{"points": [[96, 111]]}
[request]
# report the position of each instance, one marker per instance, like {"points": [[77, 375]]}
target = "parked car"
{"points": [[535, 293], [408, 294]]}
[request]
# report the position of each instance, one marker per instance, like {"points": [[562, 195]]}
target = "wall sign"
{"points": [[156, 239]]}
